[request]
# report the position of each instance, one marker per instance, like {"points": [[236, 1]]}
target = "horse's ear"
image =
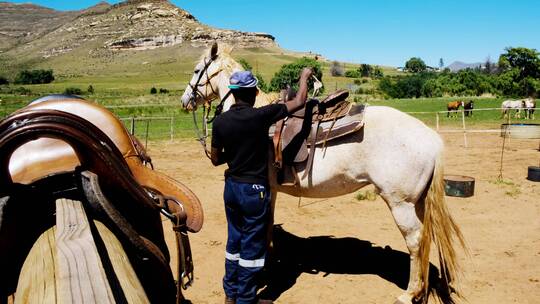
{"points": [[214, 50]]}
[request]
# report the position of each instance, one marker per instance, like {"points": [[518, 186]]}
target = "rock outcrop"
{"points": [[133, 25]]}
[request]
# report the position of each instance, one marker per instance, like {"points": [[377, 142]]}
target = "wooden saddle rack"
{"points": [[48, 151]]}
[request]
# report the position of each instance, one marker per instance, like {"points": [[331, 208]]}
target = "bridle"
{"points": [[195, 92]]}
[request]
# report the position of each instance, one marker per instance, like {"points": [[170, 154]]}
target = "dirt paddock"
{"points": [[355, 253]]}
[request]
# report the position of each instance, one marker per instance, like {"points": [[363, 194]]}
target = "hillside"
{"points": [[112, 39]]}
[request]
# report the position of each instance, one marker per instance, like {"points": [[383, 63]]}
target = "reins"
{"points": [[207, 108]]}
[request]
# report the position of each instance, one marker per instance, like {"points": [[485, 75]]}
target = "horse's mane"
{"points": [[228, 63]]}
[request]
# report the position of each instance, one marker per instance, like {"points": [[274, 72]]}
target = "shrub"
{"points": [[153, 90], [34, 77], [22, 91], [263, 86], [90, 89], [336, 69], [289, 74], [352, 74], [163, 91], [358, 81], [245, 65], [3, 80], [73, 91]]}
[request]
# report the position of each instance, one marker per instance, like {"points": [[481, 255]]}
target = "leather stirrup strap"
{"points": [[278, 156], [314, 132]]}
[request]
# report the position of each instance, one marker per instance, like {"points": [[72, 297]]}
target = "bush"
{"points": [[153, 90], [263, 86], [336, 69], [289, 74], [3, 80], [163, 91], [34, 77], [245, 65], [358, 81], [73, 91], [352, 74], [21, 91], [90, 89]]}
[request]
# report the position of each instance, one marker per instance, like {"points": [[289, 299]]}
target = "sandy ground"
{"points": [[356, 253]]}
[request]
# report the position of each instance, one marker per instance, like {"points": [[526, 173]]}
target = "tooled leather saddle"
{"points": [[64, 146], [296, 137]]}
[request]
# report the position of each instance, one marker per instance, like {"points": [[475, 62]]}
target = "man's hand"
{"points": [[301, 95], [306, 73]]}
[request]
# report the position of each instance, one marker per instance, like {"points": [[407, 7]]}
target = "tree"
{"points": [[527, 61], [365, 70], [73, 91], [245, 65], [34, 77], [153, 90], [3, 80], [336, 69], [441, 64], [415, 65], [488, 66], [90, 89], [289, 74], [263, 86]]}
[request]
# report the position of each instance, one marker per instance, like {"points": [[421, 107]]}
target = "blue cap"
{"points": [[243, 79]]}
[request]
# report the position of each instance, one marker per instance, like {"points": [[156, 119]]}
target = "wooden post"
{"points": [[464, 128], [81, 276], [132, 125], [172, 127], [437, 120], [146, 135]]}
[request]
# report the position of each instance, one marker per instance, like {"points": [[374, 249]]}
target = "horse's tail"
{"points": [[440, 228]]}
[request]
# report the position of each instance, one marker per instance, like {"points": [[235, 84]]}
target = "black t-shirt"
{"points": [[242, 133]]}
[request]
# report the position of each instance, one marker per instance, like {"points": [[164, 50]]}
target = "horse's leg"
{"points": [[410, 225]]}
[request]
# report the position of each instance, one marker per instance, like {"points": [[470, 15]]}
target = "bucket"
{"points": [[458, 185], [534, 173]]}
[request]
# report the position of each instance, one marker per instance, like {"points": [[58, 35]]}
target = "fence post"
{"points": [[172, 127], [146, 135], [464, 128], [132, 125], [437, 120]]}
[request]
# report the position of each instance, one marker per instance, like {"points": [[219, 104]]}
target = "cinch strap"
{"points": [[251, 263], [232, 256]]}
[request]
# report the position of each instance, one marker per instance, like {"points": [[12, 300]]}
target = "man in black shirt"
{"points": [[240, 138]]}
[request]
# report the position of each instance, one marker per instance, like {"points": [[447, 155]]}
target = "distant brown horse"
{"points": [[453, 106]]}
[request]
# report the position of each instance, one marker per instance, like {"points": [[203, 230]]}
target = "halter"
{"points": [[202, 136]]}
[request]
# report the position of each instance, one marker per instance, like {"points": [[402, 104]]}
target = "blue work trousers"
{"points": [[247, 207]]}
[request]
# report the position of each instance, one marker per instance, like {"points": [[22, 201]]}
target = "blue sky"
{"points": [[385, 32]]}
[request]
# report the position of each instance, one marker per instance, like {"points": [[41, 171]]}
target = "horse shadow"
{"points": [[293, 255]]}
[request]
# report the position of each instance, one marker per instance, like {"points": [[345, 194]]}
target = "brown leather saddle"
{"points": [[319, 122], [49, 151]]}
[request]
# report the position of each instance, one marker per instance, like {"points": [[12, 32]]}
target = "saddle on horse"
{"points": [[296, 137], [48, 151]]}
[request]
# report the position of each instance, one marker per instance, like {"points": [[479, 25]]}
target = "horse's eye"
{"points": [[196, 71]]}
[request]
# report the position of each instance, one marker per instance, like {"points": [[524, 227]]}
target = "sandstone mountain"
{"points": [[31, 35]]}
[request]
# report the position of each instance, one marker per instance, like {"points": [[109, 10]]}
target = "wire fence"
{"points": [[169, 122]]}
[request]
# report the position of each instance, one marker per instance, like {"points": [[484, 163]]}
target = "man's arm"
{"points": [[301, 95], [217, 156]]}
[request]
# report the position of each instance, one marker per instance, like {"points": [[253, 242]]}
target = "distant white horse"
{"points": [[395, 152], [509, 105], [530, 106]]}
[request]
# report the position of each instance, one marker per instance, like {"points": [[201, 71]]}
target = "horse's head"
{"points": [[210, 77]]}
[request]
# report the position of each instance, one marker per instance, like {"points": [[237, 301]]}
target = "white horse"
{"points": [[530, 106], [509, 105], [397, 153]]}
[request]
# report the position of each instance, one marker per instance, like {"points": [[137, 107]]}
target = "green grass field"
{"points": [[124, 86]]}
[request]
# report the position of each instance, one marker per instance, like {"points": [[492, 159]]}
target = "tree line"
{"points": [[516, 74]]}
